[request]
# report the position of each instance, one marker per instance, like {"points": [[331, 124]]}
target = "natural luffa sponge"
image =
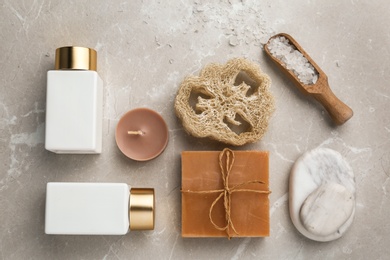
{"points": [[229, 103]]}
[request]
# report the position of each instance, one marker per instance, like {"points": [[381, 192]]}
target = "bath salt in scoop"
{"points": [[306, 74]]}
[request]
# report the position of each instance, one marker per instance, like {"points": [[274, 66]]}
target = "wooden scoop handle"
{"points": [[338, 111]]}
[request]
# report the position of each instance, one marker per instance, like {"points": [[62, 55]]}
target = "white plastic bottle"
{"points": [[97, 208], [74, 103]]}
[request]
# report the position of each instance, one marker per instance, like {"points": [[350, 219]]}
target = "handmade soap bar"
{"points": [[240, 175]]}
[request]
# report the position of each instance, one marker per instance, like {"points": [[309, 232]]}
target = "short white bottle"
{"points": [[97, 208], [74, 103]]}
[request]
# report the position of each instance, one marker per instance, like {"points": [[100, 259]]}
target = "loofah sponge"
{"points": [[233, 102]]}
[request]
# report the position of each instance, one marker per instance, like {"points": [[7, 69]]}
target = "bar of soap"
{"points": [[249, 210], [322, 195]]}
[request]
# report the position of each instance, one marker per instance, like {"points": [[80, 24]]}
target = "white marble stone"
{"points": [[326, 209], [322, 195]]}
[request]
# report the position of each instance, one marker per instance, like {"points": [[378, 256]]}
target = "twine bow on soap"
{"points": [[227, 191]]}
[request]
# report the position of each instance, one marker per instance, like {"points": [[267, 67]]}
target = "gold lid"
{"points": [[141, 209], [75, 58]]}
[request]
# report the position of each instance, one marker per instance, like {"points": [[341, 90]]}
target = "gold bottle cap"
{"points": [[75, 58], [141, 209]]}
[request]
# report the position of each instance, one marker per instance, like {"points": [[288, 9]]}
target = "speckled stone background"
{"points": [[145, 49]]}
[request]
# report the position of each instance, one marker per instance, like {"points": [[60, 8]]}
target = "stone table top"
{"points": [[145, 49]]}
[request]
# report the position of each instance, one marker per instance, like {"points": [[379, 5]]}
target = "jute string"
{"points": [[227, 191]]}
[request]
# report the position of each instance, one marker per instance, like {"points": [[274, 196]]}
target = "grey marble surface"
{"points": [[145, 49]]}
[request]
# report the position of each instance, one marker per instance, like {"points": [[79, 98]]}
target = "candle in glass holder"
{"points": [[141, 134]]}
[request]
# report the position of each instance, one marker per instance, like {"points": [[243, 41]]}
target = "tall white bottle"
{"points": [[97, 208], [74, 103]]}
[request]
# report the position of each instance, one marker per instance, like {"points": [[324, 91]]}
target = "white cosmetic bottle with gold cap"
{"points": [[77, 208], [74, 103]]}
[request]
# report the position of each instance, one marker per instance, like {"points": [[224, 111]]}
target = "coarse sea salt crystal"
{"points": [[293, 60]]}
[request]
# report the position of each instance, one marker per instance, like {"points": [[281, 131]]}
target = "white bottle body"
{"points": [[74, 112], [87, 208]]}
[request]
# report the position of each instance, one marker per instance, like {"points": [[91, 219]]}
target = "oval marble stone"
{"points": [[326, 209], [322, 195]]}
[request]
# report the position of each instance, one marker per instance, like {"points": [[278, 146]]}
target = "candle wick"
{"points": [[139, 132]]}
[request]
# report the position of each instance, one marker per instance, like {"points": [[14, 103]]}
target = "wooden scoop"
{"points": [[321, 91]]}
